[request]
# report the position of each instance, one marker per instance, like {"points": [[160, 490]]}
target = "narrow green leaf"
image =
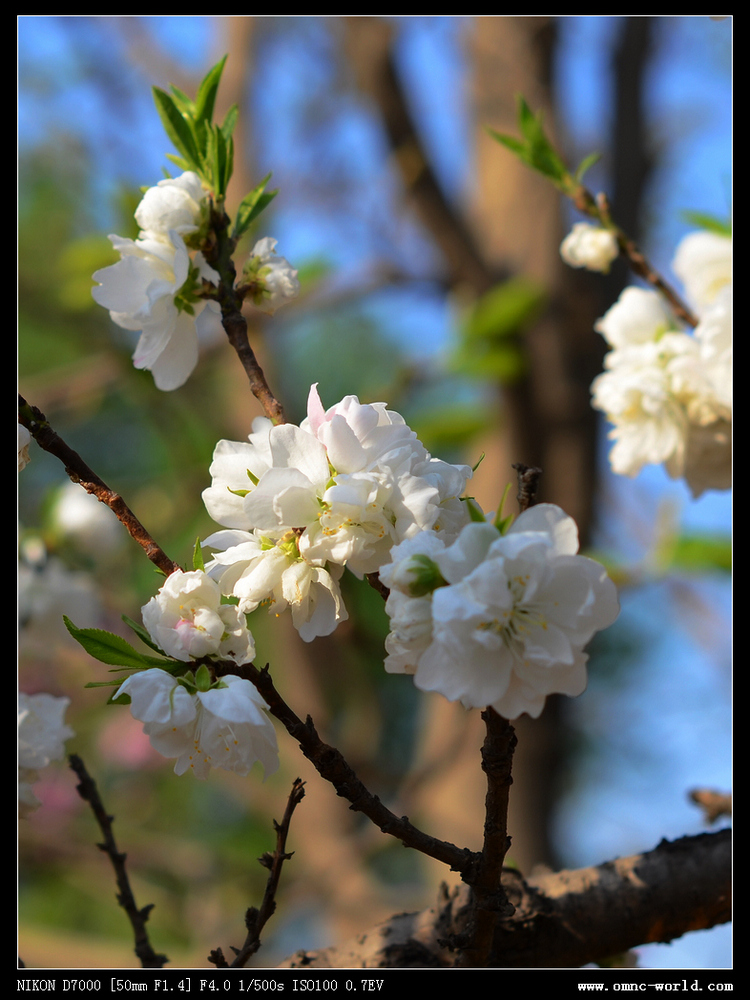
{"points": [[586, 163], [513, 144], [230, 120], [206, 96], [198, 557], [183, 102], [723, 227], [109, 648], [475, 512], [179, 161], [251, 206], [177, 128], [142, 634], [220, 147]]}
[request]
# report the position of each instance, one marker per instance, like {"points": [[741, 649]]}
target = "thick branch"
{"points": [[564, 920], [36, 422]]}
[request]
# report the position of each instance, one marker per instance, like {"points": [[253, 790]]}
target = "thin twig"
{"points": [[36, 422], [88, 791], [255, 920], [332, 766], [598, 208], [218, 253]]}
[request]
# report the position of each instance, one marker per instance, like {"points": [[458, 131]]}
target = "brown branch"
{"points": [[528, 484], [490, 903], [598, 208], [564, 920], [36, 422], [332, 766], [89, 793], [255, 920]]}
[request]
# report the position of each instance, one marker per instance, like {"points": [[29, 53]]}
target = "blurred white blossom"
{"points": [[589, 246], [703, 263], [24, 440], [668, 393], [41, 739], [79, 517]]}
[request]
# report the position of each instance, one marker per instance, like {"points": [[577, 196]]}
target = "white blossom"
{"points": [[273, 278], [41, 739], [304, 501], [589, 246], [668, 393], [638, 317], [509, 623], [187, 620], [141, 292], [224, 727], [262, 571], [82, 519], [703, 263], [174, 204], [24, 440]]}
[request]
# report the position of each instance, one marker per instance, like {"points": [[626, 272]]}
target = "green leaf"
{"points": [[142, 634], [537, 151], [183, 102], [179, 161], [198, 557], [230, 120], [110, 648], [251, 206], [206, 96], [709, 222], [702, 553], [504, 310], [586, 163], [475, 512], [178, 128], [514, 145]]}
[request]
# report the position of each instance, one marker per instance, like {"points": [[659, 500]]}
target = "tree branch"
{"points": [[36, 422], [218, 252], [332, 766], [89, 793], [564, 920]]}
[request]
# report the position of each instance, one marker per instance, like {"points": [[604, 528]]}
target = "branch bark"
{"points": [[563, 920]]}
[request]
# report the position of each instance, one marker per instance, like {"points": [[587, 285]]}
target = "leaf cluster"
{"points": [[205, 147], [536, 150]]}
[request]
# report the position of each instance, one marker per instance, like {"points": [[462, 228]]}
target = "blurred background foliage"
{"points": [[430, 280]]}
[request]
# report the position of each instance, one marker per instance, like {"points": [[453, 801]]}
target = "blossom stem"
{"points": [[332, 766], [218, 253], [598, 208], [36, 422], [89, 793]]}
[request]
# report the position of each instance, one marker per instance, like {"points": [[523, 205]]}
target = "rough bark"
{"points": [[562, 920]]}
